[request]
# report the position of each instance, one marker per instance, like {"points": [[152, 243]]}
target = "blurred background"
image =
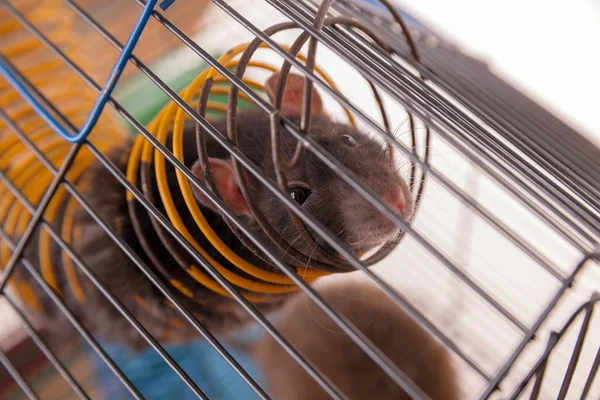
{"points": [[548, 50]]}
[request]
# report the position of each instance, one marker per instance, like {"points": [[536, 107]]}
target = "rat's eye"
{"points": [[349, 140], [300, 194]]}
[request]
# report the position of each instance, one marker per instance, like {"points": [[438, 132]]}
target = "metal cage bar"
{"points": [[17, 376], [434, 105], [75, 193], [391, 292], [538, 369], [109, 86], [396, 297], [46, 350], [80, 328], [37, 215], [505, 169]]}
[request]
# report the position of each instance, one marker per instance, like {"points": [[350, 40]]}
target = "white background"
{"points": [[550, 49]]}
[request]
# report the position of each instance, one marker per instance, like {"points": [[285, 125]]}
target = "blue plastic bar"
{"points": [[373, 5], [103, 96], [166, 4]]}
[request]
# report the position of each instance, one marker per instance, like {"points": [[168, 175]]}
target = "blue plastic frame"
{"points": [[376, 5], [103, 96]]}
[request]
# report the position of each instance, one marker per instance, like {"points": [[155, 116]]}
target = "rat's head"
{"points": [[323, 193], [318, 189]]}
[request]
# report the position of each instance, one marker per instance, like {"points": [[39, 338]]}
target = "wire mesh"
{"points": [[549, 183]]}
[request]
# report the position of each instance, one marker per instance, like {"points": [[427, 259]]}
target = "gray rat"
{"points": [[314, 185], [421, 357]]}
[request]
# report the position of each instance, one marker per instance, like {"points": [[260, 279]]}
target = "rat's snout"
{"points": [[364, 225], [395, 200]]}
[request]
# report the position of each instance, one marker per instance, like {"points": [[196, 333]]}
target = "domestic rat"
{"points": [[421, 357], [315, 186]]}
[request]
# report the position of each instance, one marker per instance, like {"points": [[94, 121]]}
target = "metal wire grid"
{"points": [[539, 368], [454, 125], [538, 135], [569, 160]]}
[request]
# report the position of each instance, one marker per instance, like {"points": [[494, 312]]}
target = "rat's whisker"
{"points": [[360, 241], [395, 131], [293, 241], [397, 135], [309, 258], [305, 299], [342, 233]]}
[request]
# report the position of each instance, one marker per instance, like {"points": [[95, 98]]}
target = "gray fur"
{"points": [[332, 202]]}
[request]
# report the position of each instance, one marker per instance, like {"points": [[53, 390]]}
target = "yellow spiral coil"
{"points": [[74, 99]]}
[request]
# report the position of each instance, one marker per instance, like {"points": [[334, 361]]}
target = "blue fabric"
{"points": [[156, 380]]}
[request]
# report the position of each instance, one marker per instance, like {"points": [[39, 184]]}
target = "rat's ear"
{"points": [[291, 105], [226, 183]]}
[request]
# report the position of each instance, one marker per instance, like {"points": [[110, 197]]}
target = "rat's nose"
{"points": [[395, 201]]}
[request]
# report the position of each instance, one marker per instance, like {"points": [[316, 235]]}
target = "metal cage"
{"points": [[520, 279]]}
